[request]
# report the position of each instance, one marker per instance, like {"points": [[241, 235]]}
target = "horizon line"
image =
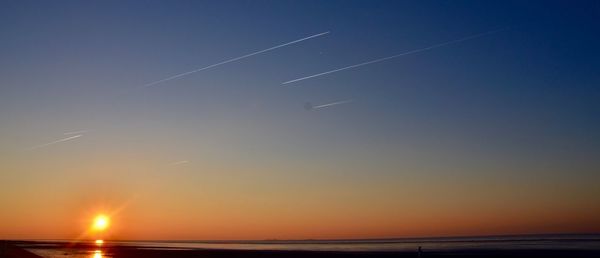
{"points": [[319, 239]]}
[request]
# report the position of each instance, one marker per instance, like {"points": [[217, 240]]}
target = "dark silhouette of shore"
{"points": [[15, 249], [10, 250]]}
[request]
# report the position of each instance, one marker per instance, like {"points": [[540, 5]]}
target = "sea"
{"points": [[543, 242]]}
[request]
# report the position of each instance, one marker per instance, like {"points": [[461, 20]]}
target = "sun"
{"points": [[101, 222]]}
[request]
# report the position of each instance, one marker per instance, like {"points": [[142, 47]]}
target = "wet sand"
{"points": [[331, 254], [12, 250], [9, 250]]}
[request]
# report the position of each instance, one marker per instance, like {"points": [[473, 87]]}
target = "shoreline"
{"points": [[18, 250], [9, 250]]}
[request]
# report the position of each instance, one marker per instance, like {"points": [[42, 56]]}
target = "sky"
{"points": [[496, 132]]}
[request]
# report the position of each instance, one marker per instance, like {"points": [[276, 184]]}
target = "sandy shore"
{"points": [[9, 250], [15, 249]]}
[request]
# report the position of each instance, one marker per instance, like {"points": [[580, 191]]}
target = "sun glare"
{"points": [[97, 254], [99, 242], [100, 222]]}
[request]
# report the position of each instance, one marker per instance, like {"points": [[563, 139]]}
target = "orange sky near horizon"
{"points": [[166, 206]]}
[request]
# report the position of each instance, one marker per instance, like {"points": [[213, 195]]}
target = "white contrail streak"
{"points": [[233, 59], [75, 132], [310, 107], [181, 162], [54, 142], [395, 56], [333, 104]]}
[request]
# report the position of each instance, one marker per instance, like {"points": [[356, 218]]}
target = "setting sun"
{"points": [[100, 222]]}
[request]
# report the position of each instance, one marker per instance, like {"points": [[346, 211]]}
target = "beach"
{"points": [[126, 249]]}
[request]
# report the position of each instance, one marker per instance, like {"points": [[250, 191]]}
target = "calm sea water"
{"points": [[583, 242]]}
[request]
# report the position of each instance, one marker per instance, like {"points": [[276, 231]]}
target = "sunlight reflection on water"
{"points": [[68, 253]]}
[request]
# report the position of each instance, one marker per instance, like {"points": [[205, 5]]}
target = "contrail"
{"points": [[75, 132], [398, 55], [308, 106], [233, 59], [54, 142], [181, 162]]}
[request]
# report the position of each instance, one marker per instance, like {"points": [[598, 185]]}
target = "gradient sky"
{"points": [[494, 135]]}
